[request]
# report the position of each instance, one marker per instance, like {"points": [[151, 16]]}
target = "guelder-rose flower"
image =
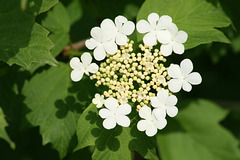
{"points": [[79, 68], [121, 29], [175, 44], [164, 104], [150, 124], [182, 76], [154, 31], [115, 114], [98, 100], [101, 42]]}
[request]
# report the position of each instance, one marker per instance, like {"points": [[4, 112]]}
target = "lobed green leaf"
{"points": [[3, 133], [55, 104], [23, 41]]}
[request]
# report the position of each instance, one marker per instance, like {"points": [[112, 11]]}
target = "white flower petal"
{"points": [[91, 43], [174, 85], [96, 99], [151, 130], [128, 28], [153, 18], [145, 112], [110, 47], [186, 86], [143, 26], [124, 109], [186, 66], [172, 100], [166, 49], [178, 48], [174, 71], [160, 124], [86, 58], [172, 111], [155, 102], [162, 95], [142, 125], [181, 37], [150, 39], [164, 22], [104, 113], [164, 36], [75, 63], [99, 105], [109, 123], [194, 78], [119, 20], [107, 24], [92, 68], [96, 33], [123, 121], [111, 104], [76, 75], [99, 53], [159, 113], [172, 28], [121, 39]]}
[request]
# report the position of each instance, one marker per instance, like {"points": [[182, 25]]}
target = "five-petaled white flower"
{"points": [[163, 103], [150, 124], [182, 76], [155, 29], [98, 100], [101, 42], [175, 44], [121, 29], [79, 68], [115, 114]]}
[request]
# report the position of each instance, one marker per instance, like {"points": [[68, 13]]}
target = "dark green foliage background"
{"points": [[42, 111]]}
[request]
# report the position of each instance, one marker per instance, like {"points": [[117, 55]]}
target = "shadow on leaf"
{"points": [[69, 104], [105, 139]]}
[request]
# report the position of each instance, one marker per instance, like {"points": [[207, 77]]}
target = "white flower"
{"points": [[121, 89], [79, 68], [164, 103], [182, 76], [126, 56], [150, 124], [149, 65], [115, 114], [141, 95], [98, 100], [161, 79], [177, 38], [121, 29], [147, 54], [155, 30], [101, 42], [123, 100]]}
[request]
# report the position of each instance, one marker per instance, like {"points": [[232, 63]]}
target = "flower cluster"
{"points": [[137, 79]]}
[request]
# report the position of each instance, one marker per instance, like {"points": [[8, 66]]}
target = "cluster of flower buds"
{"points": [[136, 79]]}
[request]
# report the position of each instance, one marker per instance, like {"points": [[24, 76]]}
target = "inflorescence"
{"points": [[133, 77], [140, 78]]}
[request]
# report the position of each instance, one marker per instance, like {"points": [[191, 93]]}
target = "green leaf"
{"points": [[55, 105], [198, 134], [75, 11], [198, 18], [117, 143], [58, 23], [3, 133], [22, 40]]}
